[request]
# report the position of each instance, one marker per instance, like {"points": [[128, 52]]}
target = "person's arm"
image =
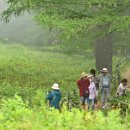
{"points": [[127, 88], [60, 95], [49, 96], [118, 90], [110, 78], [88, 82], [99, 79]]}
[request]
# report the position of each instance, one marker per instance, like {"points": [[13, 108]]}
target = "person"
{"points": [[104, 87], [92, 92], [96, 81], [83, 84], [121, 91], [54, 96]]}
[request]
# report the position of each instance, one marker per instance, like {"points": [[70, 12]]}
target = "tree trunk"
{"points": [[104, 53]]}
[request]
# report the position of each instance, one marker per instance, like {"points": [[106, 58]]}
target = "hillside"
{"points": [[24, 67]]}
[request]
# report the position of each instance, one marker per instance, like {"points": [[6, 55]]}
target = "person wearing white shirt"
{"points": [[122, 88]]}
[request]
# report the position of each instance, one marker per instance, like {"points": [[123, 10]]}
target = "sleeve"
{"points": [[118, 90], [50, 96], [110, 77], [98, 77], [88, 82], [60, 95], [99, 82]]}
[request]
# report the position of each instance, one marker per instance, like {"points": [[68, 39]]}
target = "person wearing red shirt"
{"points": [[83, 85]]}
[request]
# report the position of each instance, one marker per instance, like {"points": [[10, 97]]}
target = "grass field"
{"points": [[23, 69], [29, 72]]}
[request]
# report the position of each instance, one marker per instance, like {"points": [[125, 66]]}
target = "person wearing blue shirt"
{"points": [[54, 96], [104, 87]]}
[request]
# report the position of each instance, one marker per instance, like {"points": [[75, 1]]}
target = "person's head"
{"points": [[124, 82], [93, 72], [83, 76], [91, 78], [104, 71], [55, 86]]}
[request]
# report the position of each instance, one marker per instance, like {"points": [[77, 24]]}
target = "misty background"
{"points": [[24, 30]]}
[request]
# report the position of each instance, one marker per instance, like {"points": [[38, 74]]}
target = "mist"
{"points": [[24, 30]]}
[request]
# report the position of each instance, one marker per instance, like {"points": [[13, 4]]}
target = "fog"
{"points": [[24, 29]]}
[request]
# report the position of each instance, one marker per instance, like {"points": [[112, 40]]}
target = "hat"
{"points": [[90, 76], [83, 74], [55, 86], [104, 70]]}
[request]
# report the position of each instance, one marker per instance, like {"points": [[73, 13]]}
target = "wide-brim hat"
{"points": [[104, 70], [90, 76], [83, 74], [55, 86]]}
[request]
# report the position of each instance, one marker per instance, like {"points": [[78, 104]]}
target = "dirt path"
{"points": [[127, 75]]}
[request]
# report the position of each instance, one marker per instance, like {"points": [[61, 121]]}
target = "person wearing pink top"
{"points": [[92, 93]]}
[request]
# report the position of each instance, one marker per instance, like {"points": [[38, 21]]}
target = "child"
{"points": [[92, 92], [96, 81]]}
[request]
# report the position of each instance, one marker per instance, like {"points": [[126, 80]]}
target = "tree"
{"points": [[76, 16], [104, 51]]}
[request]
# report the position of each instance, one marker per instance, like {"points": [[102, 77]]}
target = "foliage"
{"points": [[121, 102], [18, 64], [15, 114], [13, 111], [78, 23], [76, 16], [121, 42], [28, 71]]}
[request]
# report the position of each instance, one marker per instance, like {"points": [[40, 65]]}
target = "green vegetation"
{"points": [[80, 23], [29, 72], [16, 115], [121, 102], [74, 17], [23, 70]]}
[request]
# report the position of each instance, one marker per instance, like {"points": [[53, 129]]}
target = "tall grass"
{"points": [[16, 115], [26, 70], [29, 73], [23, 68]]}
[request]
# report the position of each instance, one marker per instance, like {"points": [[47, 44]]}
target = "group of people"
{"points": [[92, 85], [90, 88]]}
